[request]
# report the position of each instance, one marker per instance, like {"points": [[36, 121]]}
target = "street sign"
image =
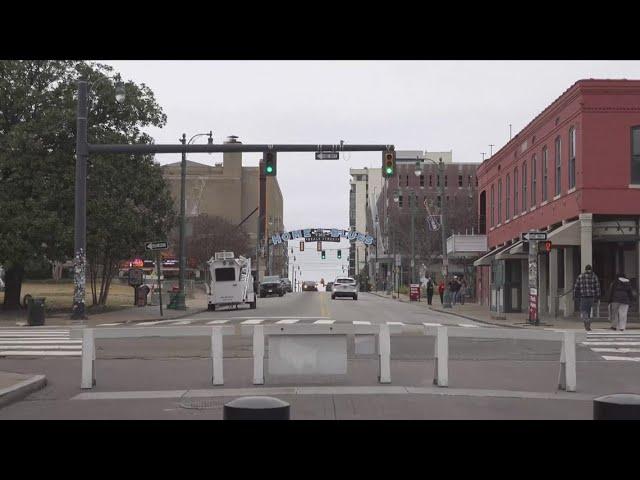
{"points": [[535, 236], [433, 221], [327, 156], [156, 246]]}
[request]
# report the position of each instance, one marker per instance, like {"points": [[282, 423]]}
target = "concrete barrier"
{"points": [[89, 336]]}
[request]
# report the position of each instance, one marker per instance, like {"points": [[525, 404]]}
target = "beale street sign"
{"points": [[322, 235]]}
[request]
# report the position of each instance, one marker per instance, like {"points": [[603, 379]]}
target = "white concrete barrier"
{"points": [[89, 336]]}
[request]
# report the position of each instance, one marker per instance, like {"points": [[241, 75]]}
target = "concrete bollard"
{"points": [[621, 406], [256, 408]]}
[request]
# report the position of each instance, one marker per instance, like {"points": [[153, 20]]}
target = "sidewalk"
{"points": [[16, 386], [482, 314], [195, 305]]}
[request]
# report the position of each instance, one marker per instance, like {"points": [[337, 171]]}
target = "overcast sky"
{"points": [[415, 105]]}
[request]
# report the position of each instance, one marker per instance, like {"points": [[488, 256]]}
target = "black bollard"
{"points": [[621, 406], [256, 408]]}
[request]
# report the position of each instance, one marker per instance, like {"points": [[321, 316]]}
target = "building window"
{"points": [[534, 179], [439, 201], [400, 201], [545, 174], [572, 157], [445, 180], [437, 180], [459, 180], [515, 191], [407, 180], [492, 207], [422, 180], [508, 199], [431, 180], [499, 201], [469, 185], [524, 187], [558, 165], [635, 155]]}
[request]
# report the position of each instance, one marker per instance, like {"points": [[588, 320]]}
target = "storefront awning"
{"points": [[567, 234], [485, 260], [513, 252]]}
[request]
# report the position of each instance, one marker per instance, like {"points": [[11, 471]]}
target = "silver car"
{"points": [[345, 287]]}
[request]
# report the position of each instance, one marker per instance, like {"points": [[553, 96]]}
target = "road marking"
{"points": [[39, 347], [253, 322], [217, 322], [324, 322], [110, 324], [288, 321], [617, 350], [361, 322], [395, 323], [467, 325], [432, 324], [604, 344], [53, 353], [38, 342], [626, 359], [30, 334], [182, 322], [147, 324]]}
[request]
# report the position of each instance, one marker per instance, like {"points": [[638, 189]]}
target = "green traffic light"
{"points": [[389, 170], [269, 169]]}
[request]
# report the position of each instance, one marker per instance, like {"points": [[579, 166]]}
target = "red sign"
{"points": [[414, 292], [533, 307], [138, 263]]}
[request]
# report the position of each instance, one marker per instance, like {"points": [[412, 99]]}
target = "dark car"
{"points": [[329, 286], [309, 286], [287, 284], [271, 286]]}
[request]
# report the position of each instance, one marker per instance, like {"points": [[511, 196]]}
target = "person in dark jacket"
{"points": [[587, 289], [620, 296], [429, 290]]}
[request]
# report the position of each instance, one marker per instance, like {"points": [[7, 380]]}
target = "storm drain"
{"points": [[191, 403]]}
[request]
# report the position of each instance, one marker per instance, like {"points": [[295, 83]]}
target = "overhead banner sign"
{"points": [[322, 235]]}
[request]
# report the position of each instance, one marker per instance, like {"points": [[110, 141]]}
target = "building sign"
{"points": [[433, 222], [322, 235]]}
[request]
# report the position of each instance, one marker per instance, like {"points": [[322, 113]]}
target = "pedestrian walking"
{"points": [[454, 288], [441, 291], [587, 289], [429, 290], [620, 297], [463, 289]]}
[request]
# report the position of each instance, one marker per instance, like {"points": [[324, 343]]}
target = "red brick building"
{"points": [[573, 171]]}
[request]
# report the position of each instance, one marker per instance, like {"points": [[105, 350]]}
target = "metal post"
{"points": [[413, 200], [80, 221], [262, 212], [178, 302], [443, 226], [159, 272]]}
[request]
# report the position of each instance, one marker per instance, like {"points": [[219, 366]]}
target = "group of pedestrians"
{"points": [[620, 295], [457, 286]]}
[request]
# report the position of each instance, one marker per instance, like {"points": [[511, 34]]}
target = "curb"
{"points": [[178, 317], [473, 319], [22, 389]]}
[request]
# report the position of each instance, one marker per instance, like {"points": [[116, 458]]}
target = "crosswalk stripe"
{"points": [[253, 322], [53, 353], [38, 342], [217, 322], [39, 347], [361, 322], [52, 335], [617, 350], [468, 325], [109, 324], [395, 323], [288, 321], [32, 343], [432, 324], [181, 322], [627, 359], [604, 344], [324, 322]]}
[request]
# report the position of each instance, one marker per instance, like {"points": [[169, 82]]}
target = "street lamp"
{"points": [[78, 311], [178, 300]]}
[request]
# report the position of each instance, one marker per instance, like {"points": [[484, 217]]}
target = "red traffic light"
{"points": [[547, 246]]}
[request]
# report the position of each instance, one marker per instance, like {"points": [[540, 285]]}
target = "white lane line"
{"points": [[361, 322], [33, 332], [617, 350], [432, 324], [52, 353], [36, 347], [395, 323], [621, 344], [109, 324], [22, 341], [626, 359], [467, 325], [324, 322], [288, 321], [253, 322], [34, 335], [181, 322], [217, 322]]}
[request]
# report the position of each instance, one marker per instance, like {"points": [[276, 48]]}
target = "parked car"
{"points": [[287, 284], [329, 287], [309, 286], [271, 285], [345, 287]]}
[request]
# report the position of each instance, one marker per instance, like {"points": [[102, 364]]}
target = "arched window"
{"points": [[635, 154], [572, 157], [492, 206], [515, 191], [499, 201], [558, 165], [508, 199], [534, 181], [524, 187], [545, 174]]}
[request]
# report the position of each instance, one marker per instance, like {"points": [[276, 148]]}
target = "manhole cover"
{"points": [[192, 403]]}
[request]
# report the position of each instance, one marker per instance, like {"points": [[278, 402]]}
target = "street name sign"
{"points": [[327, 156], [156, 246], [535, 236]]}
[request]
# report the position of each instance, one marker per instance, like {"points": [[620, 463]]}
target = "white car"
{"points": [[345, 287]]}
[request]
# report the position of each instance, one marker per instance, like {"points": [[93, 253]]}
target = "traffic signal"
{"points": [[302, 246], [388, 163], [324, 255], [270, 163], [339, 253], [547, 246]]}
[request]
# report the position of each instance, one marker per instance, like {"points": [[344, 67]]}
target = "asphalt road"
{"points": [[169, 378]]}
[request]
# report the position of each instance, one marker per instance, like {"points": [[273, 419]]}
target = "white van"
{"points": [[231, 281]]}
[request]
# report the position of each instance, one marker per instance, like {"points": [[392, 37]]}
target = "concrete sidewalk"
{"points": [[16, 386], [482, 314], [195, 305]]}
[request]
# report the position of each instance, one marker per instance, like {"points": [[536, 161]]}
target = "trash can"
{"points": [[620, 406], [142, 292], [256, 408], [35, 311]]}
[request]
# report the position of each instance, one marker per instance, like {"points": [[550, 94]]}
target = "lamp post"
{"points": [[178, 301], [78, 311]]}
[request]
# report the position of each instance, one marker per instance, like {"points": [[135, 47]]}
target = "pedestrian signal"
{"points": [[547, 246]]}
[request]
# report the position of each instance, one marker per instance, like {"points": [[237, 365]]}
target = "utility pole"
{"points": [[483, 154], [179, 299], [445, 260], [413, 200], [262, 215]]}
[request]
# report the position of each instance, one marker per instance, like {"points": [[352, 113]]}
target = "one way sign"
{"points": [[156, 246], [533, 236]]}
